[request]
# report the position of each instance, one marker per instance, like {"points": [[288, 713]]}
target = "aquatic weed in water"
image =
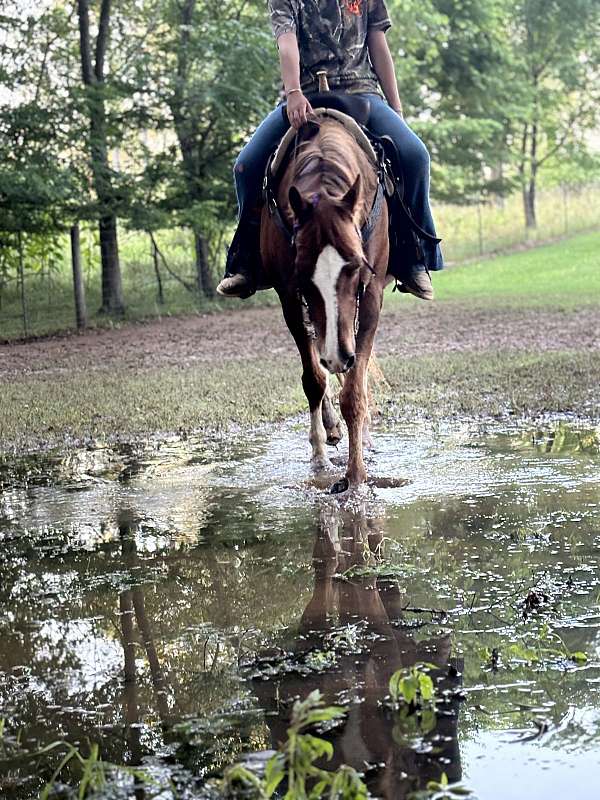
{"points": [[295, 763]]}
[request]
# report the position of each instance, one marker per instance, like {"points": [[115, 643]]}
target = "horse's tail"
{"points": [[377, 383]]}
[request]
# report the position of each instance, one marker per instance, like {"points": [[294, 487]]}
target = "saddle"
{"points": [[353, 113]]}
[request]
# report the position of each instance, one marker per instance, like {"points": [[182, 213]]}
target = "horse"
{"points": [[330, 281]]}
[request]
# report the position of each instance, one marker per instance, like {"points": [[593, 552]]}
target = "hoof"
{"points": [[341, 486], [334, 436]]}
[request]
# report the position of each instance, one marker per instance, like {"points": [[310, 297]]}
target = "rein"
{"points": [[309, 327]]}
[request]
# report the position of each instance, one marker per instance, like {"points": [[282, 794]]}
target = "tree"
{"points": [[498, 88], [93, 76], [208, 75], [556, 79], [37, 180], [450, 59]]}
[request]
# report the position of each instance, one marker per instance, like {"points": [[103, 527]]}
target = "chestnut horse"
{"points": [[329, 280]]}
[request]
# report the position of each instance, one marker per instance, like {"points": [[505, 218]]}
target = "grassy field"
{"points": [[126, 402], [123, 405], [473, 231], [467, 231], [561, 275]]}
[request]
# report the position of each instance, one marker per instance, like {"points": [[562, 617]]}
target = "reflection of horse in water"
{"points": [[371, 734]]}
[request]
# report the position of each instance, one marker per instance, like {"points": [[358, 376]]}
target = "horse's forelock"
{"points": [[322, 170], [328, 224]]}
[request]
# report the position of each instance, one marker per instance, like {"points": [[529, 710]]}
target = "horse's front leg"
{"points": [[354, 398], [353, 403], [314, 381]]}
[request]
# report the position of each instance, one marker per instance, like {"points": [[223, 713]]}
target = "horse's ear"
{"points": [[308, 131], [298, 203], [350, 199]]}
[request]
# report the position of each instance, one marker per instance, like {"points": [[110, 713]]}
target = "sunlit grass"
{"points": [[561, 275]]}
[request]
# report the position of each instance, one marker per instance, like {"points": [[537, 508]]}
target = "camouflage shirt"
{"points": [[332, 36]]}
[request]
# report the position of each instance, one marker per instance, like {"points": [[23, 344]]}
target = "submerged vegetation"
{"points": [[294, 765]]}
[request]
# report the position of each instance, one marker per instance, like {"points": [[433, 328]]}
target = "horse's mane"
{"points": [[332, 159]]}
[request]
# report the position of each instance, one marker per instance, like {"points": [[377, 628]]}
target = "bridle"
{"points": [[309, 327]]}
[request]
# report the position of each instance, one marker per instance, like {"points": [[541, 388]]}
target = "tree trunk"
{"points": [[112, 293], [530, 192], [529, 205], [78, 286], [203, 276], [93, 80]]}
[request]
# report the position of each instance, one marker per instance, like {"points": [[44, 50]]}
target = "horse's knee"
{"points": [[314, 387], [351, 403]]}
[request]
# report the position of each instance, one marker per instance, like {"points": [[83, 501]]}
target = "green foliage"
{"points": [[442, 790], [413, 686], [500, 89], [295, 762], [88, 774]]}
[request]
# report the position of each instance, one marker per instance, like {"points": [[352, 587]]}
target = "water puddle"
{"points": [[169, 602]]}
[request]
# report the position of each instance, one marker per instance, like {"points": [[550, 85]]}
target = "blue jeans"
{"points": [[251, 163]]}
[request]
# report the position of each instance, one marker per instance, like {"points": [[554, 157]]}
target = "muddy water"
{"points": [[166, 602]]}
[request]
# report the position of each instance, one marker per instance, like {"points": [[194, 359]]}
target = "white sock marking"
{"points": [[318, 439], [325, 278]]}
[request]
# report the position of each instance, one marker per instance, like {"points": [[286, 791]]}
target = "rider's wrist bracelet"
{"points": [[291, 91]]}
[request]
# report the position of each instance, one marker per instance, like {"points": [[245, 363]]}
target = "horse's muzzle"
{"points": [[342, 364]]}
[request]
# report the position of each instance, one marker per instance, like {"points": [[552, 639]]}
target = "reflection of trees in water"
{"points": [[372, 734], [562, 440]]}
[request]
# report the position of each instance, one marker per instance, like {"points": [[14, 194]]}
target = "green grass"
{"points": [[562, 275], [122, 404], [472, 231], [494, 384], [125, 405]]}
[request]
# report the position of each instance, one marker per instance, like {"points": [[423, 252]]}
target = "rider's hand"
{"points": [[298, 109]]}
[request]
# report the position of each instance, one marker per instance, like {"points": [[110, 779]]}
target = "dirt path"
{"points": [[253, 333]]}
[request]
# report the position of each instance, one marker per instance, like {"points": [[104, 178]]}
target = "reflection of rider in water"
{"points": [[372, 734], [346, 39]]}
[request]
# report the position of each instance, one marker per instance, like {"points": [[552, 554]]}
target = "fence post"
{"points": [[566, 206], [22, 285], [78, 286]]}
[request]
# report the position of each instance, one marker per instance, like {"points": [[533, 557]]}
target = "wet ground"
{"points": [[251, 333], [167, 602]]}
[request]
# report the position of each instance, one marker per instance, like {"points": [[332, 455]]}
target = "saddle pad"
{"points": [[350, 124]]}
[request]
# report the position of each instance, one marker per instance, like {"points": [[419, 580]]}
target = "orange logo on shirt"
{"points": [[354, 6]]}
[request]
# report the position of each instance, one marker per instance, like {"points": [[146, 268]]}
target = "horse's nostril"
{"points": [[350, 361]]}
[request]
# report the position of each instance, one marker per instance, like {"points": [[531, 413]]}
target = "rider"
{"points": [[346, 39]]}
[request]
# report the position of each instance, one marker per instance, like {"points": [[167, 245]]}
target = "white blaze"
{"points": [[325, 278]]}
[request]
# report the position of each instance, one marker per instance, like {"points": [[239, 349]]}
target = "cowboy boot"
{"points": [[417, 281], [243, 264]]}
